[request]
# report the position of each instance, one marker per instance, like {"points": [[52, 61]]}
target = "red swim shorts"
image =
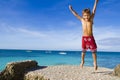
{"points": [[88, 42]]}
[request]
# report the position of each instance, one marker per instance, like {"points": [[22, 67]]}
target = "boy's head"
{"points": [[86, 14]]}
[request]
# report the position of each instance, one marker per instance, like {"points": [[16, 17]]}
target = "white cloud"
{"points": [[31, 32], [7, 29], [71, 23], [110, 41], [107, 38], [16, 37]]}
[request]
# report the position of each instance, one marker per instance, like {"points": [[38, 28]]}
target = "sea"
{"points": [[58, 57]]}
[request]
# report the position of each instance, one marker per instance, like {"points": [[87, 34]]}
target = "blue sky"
{"points": [[49, 25]]}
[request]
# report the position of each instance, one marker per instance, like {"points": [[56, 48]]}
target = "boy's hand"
{"points": [[70, 7], [97, 1]]}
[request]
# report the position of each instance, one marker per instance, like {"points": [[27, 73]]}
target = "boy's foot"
{"points": [[95, 67], [81, 65]]}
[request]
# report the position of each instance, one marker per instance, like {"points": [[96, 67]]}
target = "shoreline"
{"points": [[65, 65], [72, 72], [32, 71]]}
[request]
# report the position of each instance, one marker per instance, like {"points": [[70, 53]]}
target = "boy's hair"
{"points": [[87, 10]]}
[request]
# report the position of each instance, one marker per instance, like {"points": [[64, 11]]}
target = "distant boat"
{"points": [[62, 53], [29, 51], [48, 52]]}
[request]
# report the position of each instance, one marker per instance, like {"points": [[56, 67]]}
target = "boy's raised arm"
{"points": [[94, 8], [74, 13]]}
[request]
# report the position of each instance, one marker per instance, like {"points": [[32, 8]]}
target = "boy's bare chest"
{"points": [[87, 24]]}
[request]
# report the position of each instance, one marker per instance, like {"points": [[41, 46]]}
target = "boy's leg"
{"points": [[82, 59], [95, 60]]}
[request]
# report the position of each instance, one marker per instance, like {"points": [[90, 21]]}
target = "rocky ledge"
{"points": [[116, 71], [17, 70], [29, 70]]}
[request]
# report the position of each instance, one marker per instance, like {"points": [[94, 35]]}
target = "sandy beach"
{"points": [[70, 72]]}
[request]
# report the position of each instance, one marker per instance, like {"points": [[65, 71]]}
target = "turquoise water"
{"points": [[48, 58]]}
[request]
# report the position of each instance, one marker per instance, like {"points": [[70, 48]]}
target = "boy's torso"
{"points": [[87, 28]]}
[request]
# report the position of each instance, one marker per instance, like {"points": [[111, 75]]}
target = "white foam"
{"points": [[62, 53]]}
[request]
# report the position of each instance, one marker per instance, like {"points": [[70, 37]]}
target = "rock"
{"points": [[35, 77], [30, 75], [116, 71], [16, 70]]}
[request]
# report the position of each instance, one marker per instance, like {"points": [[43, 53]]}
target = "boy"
{"points": [[88, 41]]}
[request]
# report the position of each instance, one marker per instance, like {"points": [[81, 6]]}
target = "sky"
{"points": [[49, 24]]}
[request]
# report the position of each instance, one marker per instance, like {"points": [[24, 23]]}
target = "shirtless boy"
{"points": [[88, 41]]}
